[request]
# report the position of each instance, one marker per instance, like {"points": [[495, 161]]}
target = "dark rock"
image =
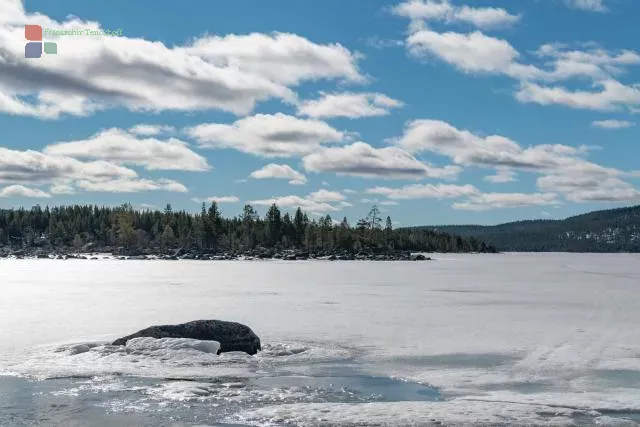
{"points": [[232, 336], [418, 257]]}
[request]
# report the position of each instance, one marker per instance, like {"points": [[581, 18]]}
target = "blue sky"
{"points": [[438, 111]]}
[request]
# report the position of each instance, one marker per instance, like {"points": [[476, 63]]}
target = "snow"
{"points": [[162, 346], [500, 336], [408, 414]]}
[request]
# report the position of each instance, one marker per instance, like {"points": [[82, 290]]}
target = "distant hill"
{"points": [[614, 230]]}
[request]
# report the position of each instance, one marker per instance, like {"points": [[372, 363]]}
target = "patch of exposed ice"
{"points": [[161, 347], [409, 414]]}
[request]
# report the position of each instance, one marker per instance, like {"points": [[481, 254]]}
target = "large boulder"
{"points": [[232, 336]]}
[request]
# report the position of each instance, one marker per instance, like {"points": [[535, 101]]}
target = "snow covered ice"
{"points": [[544, 339]]}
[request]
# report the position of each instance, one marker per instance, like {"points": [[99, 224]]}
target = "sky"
{"points": [[436, 111]]}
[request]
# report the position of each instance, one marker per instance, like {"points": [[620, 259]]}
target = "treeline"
{"points": [[128, 230], [613, 230]]}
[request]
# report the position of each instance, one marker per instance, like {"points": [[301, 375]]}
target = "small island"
{"points": [[79, 231]]}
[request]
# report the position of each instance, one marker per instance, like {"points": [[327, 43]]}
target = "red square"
{"points": [[33, 32]]}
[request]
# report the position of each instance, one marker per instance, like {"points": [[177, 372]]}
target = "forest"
{"points": [[612, 230], [128, 230]]}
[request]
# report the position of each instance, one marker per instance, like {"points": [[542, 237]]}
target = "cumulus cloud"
{"points": [[276, 171], [294, 202], [267, 135], [33, 167], [425, 191], [22, 191], [590, 60], [581, 188], [217, 199], [610, 95], [326, 196], [62, 189], [151, 130], [230, 73], [589, 5], [349, 105], [493, 151], [318, 201], [501, 176], [613, 124], [478, 53], [474, 52], [487, 201], [121, 147], [444, 11], [66, 174], [283, 58], [131, 185], [361, 159]]}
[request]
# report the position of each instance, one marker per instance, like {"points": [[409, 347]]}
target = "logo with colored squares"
{"points": [[36, 46]]}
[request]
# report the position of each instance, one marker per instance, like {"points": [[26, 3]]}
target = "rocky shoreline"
{"points": [[181, 254]]}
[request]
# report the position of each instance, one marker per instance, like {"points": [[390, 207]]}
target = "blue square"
{"points": [[33, 50]]}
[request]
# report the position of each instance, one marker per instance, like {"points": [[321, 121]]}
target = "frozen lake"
{"points": [[545, 339]]}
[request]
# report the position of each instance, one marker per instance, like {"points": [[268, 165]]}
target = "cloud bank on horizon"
{"points": [[429, 106]]}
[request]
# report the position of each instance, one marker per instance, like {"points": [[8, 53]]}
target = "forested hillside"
{"points": [[126, 230], [615, 230]]}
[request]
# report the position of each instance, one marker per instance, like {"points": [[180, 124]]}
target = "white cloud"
{"points": [[478, 53], [487, 201], [276, 171], [581, 188], [493, 151], [612, 96], [131, 186], [349, 105], [294, 202], [389, 203], [151, 130], [22, 191], [33, 167], [501, 176], [267, 135], [120, 147], [474, 52], [443, 10], [361, 159], [349, 191], [326, 196], [613, 124], [589, 5], [62, 189], [230, 73], [217, 199], [320, 201], [425, 191], [378, 43], [66, 174], [283, 58], [369, 201], [591, 61]]}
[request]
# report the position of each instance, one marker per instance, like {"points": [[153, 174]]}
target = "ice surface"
{"points": [[164, 346], [409, 414], [498, 335]]}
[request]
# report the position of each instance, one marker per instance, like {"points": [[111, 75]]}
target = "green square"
{"points": [[50, 48]]}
